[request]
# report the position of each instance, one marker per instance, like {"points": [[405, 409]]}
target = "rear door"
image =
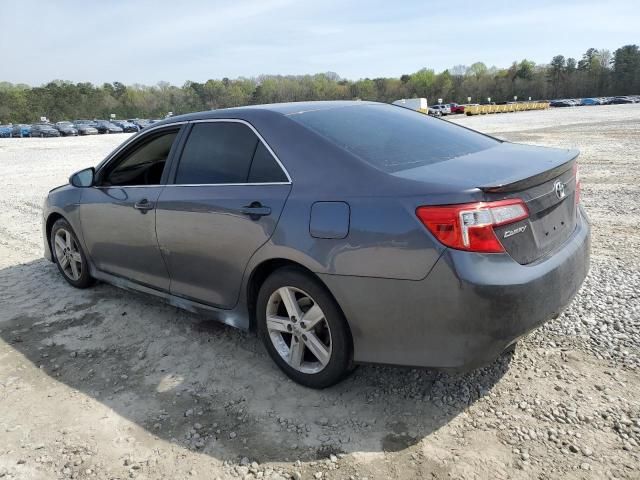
{"points": [[224, 201], [118, 214]]}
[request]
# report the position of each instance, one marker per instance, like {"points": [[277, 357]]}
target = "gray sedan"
{"points": [[342, 232]]}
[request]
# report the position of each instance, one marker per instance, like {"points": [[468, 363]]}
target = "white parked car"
{"points": [[440, 109]]}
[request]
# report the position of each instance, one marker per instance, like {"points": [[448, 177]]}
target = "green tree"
{"points": [[597, 73], [626, 69], [556, 74], [421, 83]]}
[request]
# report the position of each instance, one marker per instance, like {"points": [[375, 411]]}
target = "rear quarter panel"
{"points": [[385, 239]]}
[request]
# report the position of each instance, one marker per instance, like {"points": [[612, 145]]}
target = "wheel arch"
{"points": [[51, 219], [262, 271]]}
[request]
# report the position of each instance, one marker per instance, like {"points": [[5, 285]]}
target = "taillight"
{"points": [[576, 172], [469, 226]]}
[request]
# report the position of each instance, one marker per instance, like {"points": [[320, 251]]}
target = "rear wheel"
{"points": [[69, 256], [303, 329]]}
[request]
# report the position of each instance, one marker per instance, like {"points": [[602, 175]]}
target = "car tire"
{"points": [[296, 352], [69, 256]]}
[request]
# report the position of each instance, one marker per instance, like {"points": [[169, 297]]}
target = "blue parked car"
{"points": [[589, 101], [5, 131], [21, 130]]}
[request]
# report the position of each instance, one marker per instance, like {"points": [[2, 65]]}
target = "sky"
{"points": [[147, 41]]}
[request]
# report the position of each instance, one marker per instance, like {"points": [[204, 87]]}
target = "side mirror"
{"points": [[83, 178]]}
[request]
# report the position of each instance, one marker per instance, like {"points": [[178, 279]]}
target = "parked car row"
{"points": [[577, 102], [421, 105], [442, 109], [73, 128]]}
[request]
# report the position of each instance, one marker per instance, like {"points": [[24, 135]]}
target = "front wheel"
{"points": [[303, 329], [69, 256]]}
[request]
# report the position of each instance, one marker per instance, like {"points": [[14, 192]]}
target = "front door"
{"points": [[118, 215], [223, 204]]}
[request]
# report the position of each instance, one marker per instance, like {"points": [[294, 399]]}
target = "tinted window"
{"points": [[393, 138], [217, 152], [264, 168], [143, 166]]}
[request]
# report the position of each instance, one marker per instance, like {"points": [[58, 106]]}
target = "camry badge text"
{"points": [[510, 233]]}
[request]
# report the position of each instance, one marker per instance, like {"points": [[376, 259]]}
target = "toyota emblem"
{"points": [[558, 187]]}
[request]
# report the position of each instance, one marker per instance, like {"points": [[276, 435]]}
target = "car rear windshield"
{"points": [[393, 138]]}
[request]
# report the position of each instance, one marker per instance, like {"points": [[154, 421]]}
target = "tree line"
{"points": [[597, 73]]}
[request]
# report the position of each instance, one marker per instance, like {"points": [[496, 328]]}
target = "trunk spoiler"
{"points": [[524, 183]]}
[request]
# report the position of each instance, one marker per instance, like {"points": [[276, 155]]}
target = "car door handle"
{"points": [[143, 205], [256, 210]]}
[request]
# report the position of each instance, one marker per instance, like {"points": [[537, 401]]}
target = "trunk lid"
{"points": [[543, 178], [552, 218]]}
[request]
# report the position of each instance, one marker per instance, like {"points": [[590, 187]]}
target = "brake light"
{"points": [[469, 226], [576, 172]]}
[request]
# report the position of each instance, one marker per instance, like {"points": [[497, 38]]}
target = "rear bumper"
{"points": [[466, 311]]}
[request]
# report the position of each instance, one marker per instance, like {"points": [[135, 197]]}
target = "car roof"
{"points": [[289, 108]]}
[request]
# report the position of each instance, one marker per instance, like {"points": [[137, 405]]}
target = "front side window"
{"points": [[226, 153], [144, 165]]}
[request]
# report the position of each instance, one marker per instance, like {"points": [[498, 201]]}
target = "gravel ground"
{"points": [[108, 384]]}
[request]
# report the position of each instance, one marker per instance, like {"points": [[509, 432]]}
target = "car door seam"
{"points": [[165, 261], [246, 267]]}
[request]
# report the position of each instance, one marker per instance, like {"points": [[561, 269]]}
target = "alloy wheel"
{"points": [[299, 330], [68, 254]]}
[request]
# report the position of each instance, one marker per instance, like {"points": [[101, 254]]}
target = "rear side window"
{"points": [[226, 152], [217, 152], [393, 138], [264, 168]]}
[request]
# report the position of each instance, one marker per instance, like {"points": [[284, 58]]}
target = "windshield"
{"points": [[393, 138]]}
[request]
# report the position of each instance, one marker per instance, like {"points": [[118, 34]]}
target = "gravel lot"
{"points": [[107, 384]]}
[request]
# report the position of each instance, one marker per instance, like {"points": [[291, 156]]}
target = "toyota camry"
{"points": [[341, 232]]}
